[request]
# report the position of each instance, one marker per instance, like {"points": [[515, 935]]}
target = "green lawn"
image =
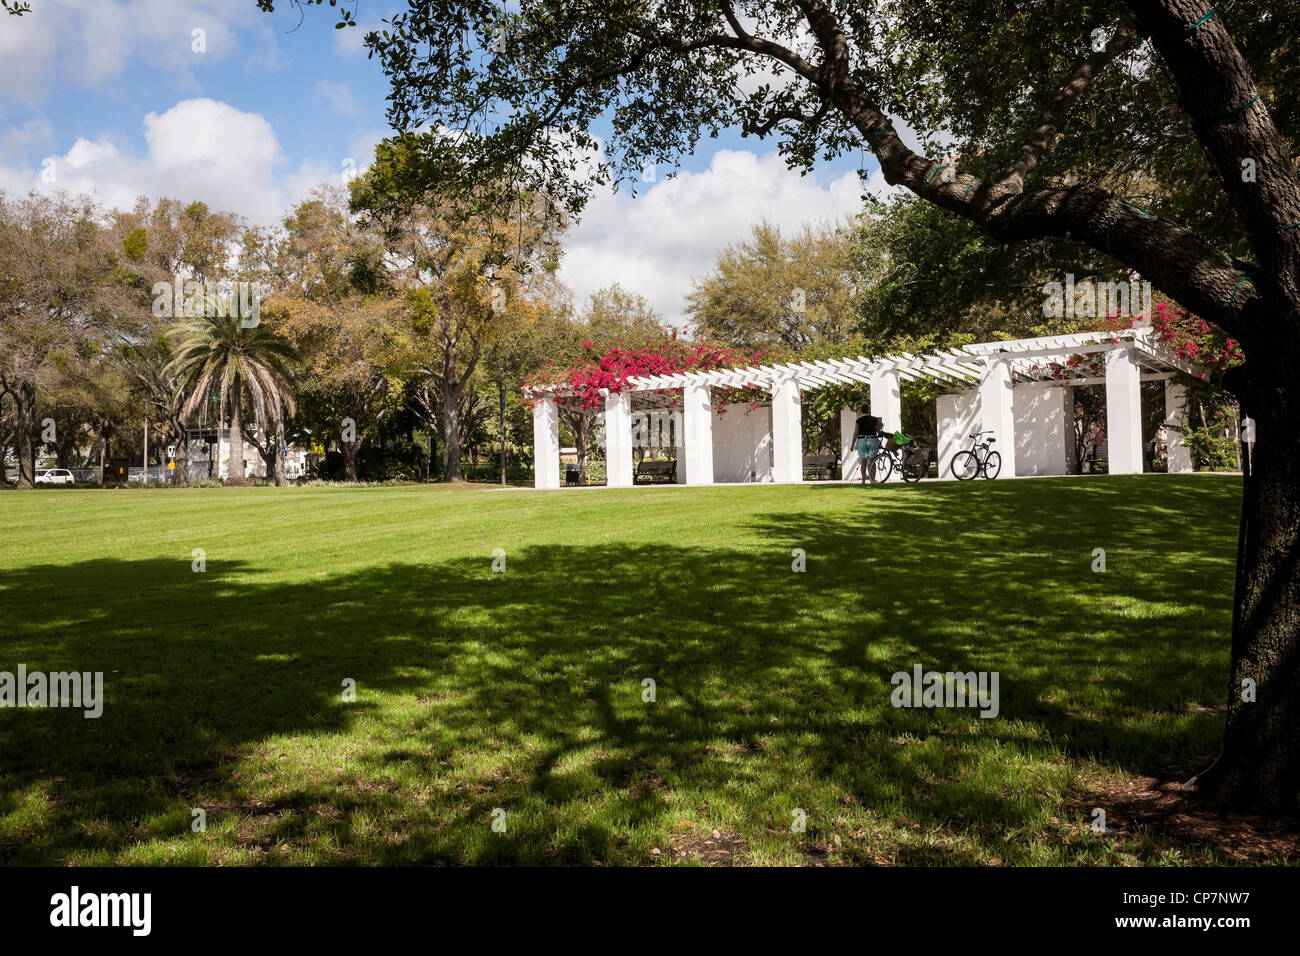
{"points": [[523, 690]]}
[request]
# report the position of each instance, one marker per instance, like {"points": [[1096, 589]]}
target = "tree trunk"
{"points": [[177, 436], [451, 470], [277, 456], [25, 448], [181, 473], [63, 452], [236, 475], [349, 450], [1260, 764], [501, 391]]}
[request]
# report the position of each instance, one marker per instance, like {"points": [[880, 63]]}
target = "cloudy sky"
{"points": [[124, 98]]}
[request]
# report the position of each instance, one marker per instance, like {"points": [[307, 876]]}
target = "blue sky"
{"points": [[111, 97]]}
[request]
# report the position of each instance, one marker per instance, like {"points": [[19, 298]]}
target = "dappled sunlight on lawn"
{"points": [[523, 690]]}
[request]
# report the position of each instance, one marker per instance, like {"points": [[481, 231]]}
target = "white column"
{"points": [[957, 414], [697, 430], [850, 464], [546, 444], [887, 400], [787, 432], [997, 412], [1180, 454], [1071, 441], [1044, 418], [679, 445], [618, 440], [887, 405], [1123, 412]]}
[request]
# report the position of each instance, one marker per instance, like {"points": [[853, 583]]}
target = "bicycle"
{"points": [[977, 460], [910, 461]]}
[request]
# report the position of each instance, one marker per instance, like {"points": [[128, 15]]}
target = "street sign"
{"points": [[171, 451], [171, 466]]}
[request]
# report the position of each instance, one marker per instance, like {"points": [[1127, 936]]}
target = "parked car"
{"points": [[55, 476]]}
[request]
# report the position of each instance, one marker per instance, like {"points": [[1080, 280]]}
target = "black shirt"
{"points": [[868, 425]]}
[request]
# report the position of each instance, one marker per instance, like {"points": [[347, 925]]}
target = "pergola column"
{"points": [[886, 389], [850, 464], [679, 444], [618, 440], [997, 412], [1044, 429], [787, 432], [1178, 451], [957, 415], [697, 425], [1123, 412], [887, 399], [546, 443]]}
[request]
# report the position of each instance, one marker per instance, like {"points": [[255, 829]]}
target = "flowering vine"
{"points": [[610, 370]]}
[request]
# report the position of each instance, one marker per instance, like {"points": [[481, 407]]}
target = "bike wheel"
{"points": [[965, 466], [992, 465], [879, 468], [912, 469]]}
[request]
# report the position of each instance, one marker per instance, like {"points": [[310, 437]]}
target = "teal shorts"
{"points": [[868, 447]]}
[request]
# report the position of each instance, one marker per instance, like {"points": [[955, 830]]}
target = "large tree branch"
{"points": [[775, 116], [1228, 116], [1053, 118], [1173, 258]]}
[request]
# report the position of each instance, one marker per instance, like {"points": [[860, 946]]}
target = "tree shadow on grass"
{"points": [[524, 690]]}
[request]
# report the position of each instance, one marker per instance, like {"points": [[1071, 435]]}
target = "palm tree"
{"points": [[219, 351]]}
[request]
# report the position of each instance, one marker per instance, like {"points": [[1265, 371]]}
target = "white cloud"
{"points": [[199, 149], [362, 146], [339, 96], [92, 42], [35, 133], [657, 243]]}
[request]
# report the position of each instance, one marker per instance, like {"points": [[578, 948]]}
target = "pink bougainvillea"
{"points": [[1190, 336], [611, 369]]}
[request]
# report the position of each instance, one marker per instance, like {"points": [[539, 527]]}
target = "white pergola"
{"points": [[1017, 389]]}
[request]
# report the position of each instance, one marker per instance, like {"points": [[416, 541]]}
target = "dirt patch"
{"points": [[707, 847], [1174, 815]]}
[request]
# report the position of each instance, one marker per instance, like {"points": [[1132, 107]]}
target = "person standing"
{"points": [[866, 439]]}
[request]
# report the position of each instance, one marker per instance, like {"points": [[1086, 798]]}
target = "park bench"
{"points": [[823, 466], [656, 471], [1097, 454]]}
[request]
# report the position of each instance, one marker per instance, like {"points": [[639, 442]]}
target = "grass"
{"points": [[523, 690]]}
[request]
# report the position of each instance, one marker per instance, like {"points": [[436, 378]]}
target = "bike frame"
{"points": [[980, 449]]}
